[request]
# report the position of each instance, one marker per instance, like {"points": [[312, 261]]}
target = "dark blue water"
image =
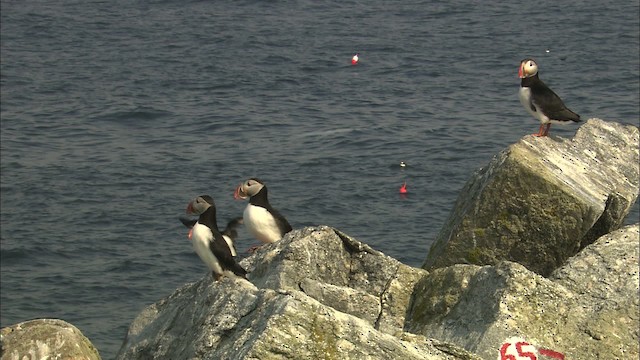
{"points": [[115, 114]]}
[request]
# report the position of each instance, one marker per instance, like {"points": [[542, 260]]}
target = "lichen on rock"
{"points": [[587, 309], [541, 200], [46, 339]]}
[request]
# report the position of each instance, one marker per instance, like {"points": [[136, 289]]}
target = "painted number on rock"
{"points": [[519, 349]]}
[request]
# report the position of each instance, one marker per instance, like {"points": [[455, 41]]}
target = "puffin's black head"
{"points": [[200, 204], [248, 188], [528, 68]]}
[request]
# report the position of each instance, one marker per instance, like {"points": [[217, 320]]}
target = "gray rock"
{"points": [[587, 310], [325, 295], [543, 199], [606, 276], [340, 272], [320, 295], [45, 339], [605, 269]]}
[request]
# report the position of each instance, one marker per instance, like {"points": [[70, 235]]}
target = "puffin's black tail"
{"points": [[239, 270], [570, 115]]}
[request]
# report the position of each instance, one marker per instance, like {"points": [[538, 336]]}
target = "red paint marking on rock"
{"points": [[519, 349], [551, 353]]}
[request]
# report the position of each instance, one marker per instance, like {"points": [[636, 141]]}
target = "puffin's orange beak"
{"points": [[521, 71], [189, 209], [239, 194]]}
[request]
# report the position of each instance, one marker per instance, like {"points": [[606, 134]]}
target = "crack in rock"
{"points": [[354, 245], [382, 297]]}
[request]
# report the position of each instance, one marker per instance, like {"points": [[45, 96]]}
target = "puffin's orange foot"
{"points": [[542, 131]]}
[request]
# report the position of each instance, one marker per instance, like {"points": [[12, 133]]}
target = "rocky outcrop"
{"points": [[320, 294], [543, 199], [340, 272], [588, 309], [605, 276], [316, 294], [45, 339]]}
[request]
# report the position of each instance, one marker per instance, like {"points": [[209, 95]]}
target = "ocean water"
{"points": [[115, 114]]}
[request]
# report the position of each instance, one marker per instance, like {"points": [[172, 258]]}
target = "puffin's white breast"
{"points": [[261, 224], [200, 239]]}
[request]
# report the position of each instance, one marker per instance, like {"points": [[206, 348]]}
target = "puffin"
{"points": [[540, 101], [208, 242], [261, 220], [230, 234]]}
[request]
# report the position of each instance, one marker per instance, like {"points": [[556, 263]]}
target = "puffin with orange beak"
{"points": [[540, 101], [261, 220], [208, 242]]}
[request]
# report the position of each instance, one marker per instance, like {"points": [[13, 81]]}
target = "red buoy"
{"points": [[403, 188], [354, 59]]}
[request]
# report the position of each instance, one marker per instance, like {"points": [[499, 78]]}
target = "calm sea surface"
{"points": [[116, 113]]}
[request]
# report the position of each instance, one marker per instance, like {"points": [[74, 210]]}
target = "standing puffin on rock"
{"points": [[263, 221], [540, 101], [230, 234], [207, 240]]}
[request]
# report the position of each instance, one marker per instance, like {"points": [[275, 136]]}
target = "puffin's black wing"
{"points": [[188, 222], [221, 250], [230, 230], [283, 224], [550, 104]]}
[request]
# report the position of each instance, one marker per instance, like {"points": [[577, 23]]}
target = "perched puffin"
{"points": [[263, 221], [207, 240], [541, 101], [230, 234]]}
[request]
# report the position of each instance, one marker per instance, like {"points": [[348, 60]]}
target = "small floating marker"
{"points": [[403, 164], [547, 51], [190, 233], [354, 59], [403, 188]]}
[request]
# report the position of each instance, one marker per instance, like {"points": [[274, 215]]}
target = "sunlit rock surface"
{"points": [[323, 294], [588, 309], [45, 339], [320, 295], [541, 200]]}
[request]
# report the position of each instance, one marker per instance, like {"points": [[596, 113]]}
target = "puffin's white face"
{"points": [[248, 188], [528, 68], [199, 205]]}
